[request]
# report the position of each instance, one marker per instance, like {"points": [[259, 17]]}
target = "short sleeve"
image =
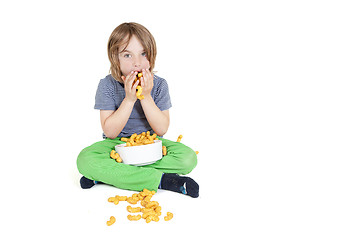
{"points": [[104, 98], [162, 96]]}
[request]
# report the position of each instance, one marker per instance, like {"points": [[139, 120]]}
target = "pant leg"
{"points": [[94, 162], [180, 158]]}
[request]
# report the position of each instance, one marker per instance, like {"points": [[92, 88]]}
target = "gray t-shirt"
{"points": [[111, 93]]}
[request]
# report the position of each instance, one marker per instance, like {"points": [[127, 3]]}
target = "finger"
{"points": [[149, 74], [130, 78], [145, 81], [135, 85], [133, 75], [146, 72]]}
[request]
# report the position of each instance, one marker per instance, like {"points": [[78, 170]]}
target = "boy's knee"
{"points": [[92, 157], [189, 160], [83, 162], [87, 162]]}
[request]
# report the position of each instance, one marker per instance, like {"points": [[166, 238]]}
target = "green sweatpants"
{"points": [[94, 162]]}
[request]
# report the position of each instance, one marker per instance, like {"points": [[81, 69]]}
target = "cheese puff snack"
{"points": [[146, 210], [132, 200], [135, 196], [143, 203], [113, 154], [164, 150], [179, 138], [158, 210], [116, 156], [121, 198], [134, 218], [111, 221], [145, 192], [141, 139], [133, 210], [139, 88], [113, 200], [149, 219], [152, 218], [117, 199], [152, 204], [150, 211], [168, 216], [148, 198], [138, 93]]}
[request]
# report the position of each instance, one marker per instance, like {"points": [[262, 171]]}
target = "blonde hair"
{"points": [[121, 37]]}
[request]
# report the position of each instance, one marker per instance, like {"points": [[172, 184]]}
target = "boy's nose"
{"points": [[136, 62]]}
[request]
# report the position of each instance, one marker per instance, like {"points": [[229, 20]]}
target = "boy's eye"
{"points": [[143, 54], [127, 55]]}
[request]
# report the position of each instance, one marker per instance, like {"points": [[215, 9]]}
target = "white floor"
{"points": [[266, 91]]}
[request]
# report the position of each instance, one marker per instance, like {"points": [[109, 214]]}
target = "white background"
{"points": [[266, 91]]}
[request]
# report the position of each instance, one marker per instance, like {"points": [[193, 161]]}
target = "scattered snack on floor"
{"points": [[134, 217], [111, 221], [121, 198], [117, 199], [133, 210], [150, 210], [168, 216]]}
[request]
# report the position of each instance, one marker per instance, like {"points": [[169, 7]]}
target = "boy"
{"points": [[132, 49]]}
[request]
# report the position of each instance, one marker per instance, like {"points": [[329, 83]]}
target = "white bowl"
{"points": [[140, 155]]}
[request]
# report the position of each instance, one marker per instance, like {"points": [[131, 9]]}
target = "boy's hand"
{"points": [[130, 90], [147, 82]]}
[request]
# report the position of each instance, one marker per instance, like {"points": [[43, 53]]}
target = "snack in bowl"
{"points": [[140, 149], [141, 139]]}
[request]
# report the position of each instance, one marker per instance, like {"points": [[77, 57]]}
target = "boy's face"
{"points": [[133, 57]]}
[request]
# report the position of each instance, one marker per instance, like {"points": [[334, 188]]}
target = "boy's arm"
{"points": [[112, 122], [158, 120]]}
